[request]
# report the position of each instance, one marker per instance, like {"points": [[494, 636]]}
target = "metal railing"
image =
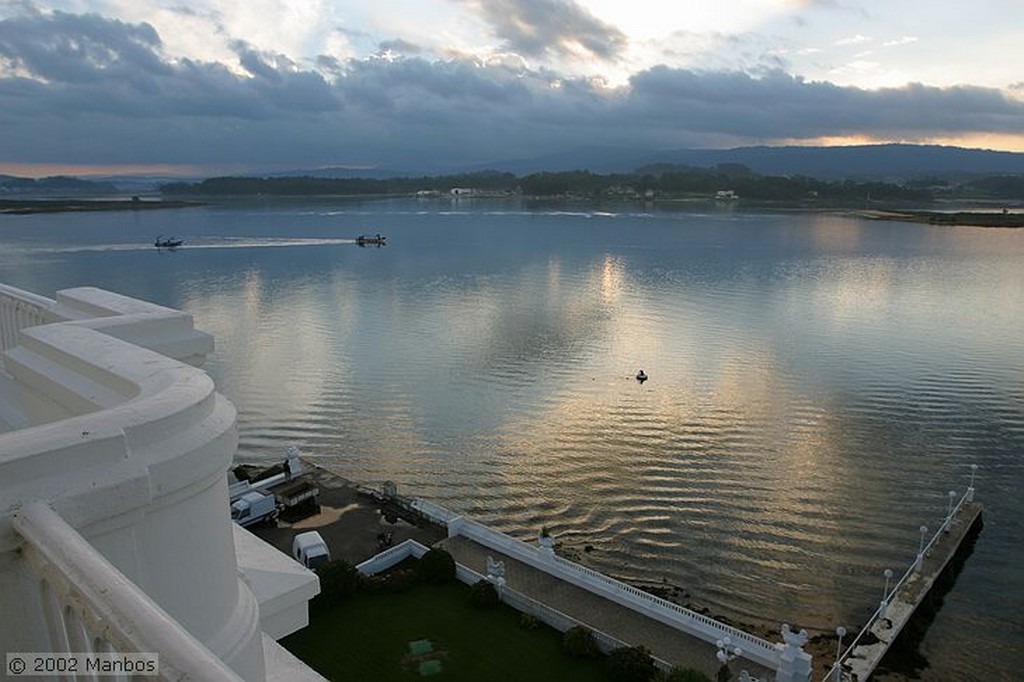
{"points": [[913, 569]]}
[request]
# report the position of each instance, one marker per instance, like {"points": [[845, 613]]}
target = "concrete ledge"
{"points": [[281, 585]]}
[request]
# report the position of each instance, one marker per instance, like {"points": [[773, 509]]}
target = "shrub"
{"points": [[437, 567], [528, 621], [677, 674], [579, 641], [482, 594], [392, 582], [338, 579], [631, 664]]}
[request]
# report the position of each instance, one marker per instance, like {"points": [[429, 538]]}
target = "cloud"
{"points": [[853, 40], [905, 40], [560, 28], [779, 105], [68, 48], [88, 90], [399, 46]]}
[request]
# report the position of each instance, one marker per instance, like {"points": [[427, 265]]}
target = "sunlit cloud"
{"points": [[463, 82], [853, 40]]}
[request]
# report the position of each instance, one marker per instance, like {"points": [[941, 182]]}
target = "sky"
{"points": [[201, 87]]}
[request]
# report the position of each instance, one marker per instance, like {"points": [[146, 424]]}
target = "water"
{"points": [[818, 383]]}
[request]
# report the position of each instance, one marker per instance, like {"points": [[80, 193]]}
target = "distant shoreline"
{"points": [[31, 206], [958, 218], [953, 218]]}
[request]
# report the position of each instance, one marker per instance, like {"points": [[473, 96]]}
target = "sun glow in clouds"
{"points": [[220, 86]]}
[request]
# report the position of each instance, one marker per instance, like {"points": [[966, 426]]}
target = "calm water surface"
{"points": [[818, 383]]}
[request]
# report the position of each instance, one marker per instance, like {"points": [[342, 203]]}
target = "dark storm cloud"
{"points": [[83, 89], [538, 27], [80, 47], [778, 105]]}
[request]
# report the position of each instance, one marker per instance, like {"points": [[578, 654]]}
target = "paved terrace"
{"points": [[598, 613], [350, 522]]}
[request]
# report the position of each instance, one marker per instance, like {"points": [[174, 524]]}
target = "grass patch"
{"points": [[368, 636]]}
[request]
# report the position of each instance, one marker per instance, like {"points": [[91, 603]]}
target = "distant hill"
{"points": [[888, 161], [876, 161], [376, 173], [58, 185]]}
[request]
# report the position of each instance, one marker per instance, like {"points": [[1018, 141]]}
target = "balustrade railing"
{"points": [[91, 607], [707, 629], [517, 600], [19, 310]]}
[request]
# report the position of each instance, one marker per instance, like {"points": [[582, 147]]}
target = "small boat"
{"points": [[168, 243], [377, 240], [641, 376]]}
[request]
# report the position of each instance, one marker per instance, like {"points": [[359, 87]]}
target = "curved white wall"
{"points": [[130, 447]]}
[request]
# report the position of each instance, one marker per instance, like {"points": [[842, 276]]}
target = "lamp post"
{"points": [[920, 550], [837, 670], [885, 593], [726, 654], [970, 488], [949, 511]]}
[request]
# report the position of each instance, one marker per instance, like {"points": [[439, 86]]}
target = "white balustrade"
{"points": [[103, 425], [20, 310], [520, 602], [91, 607], [169, 332], [708, 629]]}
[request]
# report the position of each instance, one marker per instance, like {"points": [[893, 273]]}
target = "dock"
{"points": [[953, 539]]}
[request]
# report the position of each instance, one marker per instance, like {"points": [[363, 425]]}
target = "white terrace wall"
{"points": [[169, 332], [754, 648], [130, 448], [520, 602]]}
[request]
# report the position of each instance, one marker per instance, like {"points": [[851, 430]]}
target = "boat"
{"points": [[377, 240], [168, 243]]}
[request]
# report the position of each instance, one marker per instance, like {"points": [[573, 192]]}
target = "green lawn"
{"points": [[368, 638]]}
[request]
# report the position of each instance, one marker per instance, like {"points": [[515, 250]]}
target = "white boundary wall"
{"points": [[692, 623], [518, 601]]}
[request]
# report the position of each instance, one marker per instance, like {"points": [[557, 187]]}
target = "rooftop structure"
{"points": [[115, 535]]}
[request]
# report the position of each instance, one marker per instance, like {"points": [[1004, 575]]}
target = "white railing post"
{"points": [[794, 664], [919, 563], [885, 591], [949, 511]]}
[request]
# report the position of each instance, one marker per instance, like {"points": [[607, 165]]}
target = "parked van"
{"points": [[310, 550]]}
